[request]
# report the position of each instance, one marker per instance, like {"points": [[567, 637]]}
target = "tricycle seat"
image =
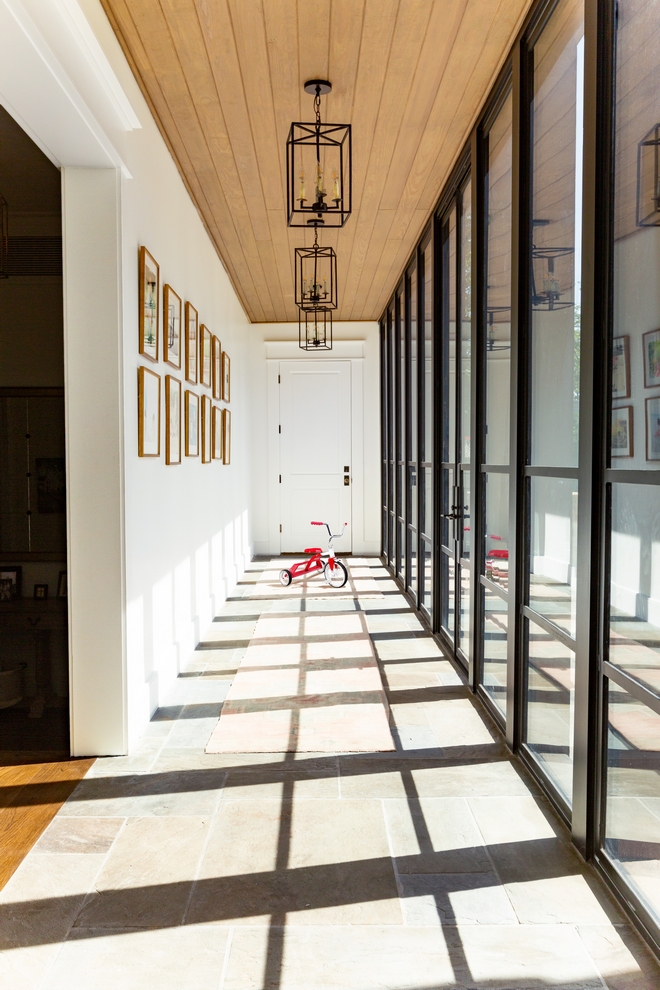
{"points": [[312, 550]]}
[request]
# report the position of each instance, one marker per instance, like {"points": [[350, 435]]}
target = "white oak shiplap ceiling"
{"points": [[224, 79]]}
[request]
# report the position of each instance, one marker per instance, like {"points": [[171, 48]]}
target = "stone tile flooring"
{"points": [[437, 865]]}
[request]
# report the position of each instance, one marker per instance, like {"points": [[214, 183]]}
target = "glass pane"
{"points": [[496, 562], [449, 344], [399, 490], [403, 398], [636, 310], [412, 501], [401, 550], [556, 220], [466, 320], [464, 628], [426, 577], [412, 567], [498, 286], [550, 701], [496, 627], [426, 483], [447, 533], [632, 824], [635, 582], [413, 385], [466, 544], [427, 380], [447, 591], [553, 557]]}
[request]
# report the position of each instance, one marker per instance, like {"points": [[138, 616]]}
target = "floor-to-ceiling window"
{"points": [[515, 411], [631, 821], [496, 365], [553, 368]]}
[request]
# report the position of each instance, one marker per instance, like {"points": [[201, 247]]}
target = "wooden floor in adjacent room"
{"points": [[31, 794]]}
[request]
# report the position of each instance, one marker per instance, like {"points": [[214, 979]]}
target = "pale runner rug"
{"points": [[309, 680]]}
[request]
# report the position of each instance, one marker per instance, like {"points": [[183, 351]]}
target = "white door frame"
{"points": [[342, 350]]}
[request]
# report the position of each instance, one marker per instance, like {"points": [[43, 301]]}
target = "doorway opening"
{"points": [[34, 669]]}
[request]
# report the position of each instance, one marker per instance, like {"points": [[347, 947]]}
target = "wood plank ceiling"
{"points": [[224, 79]]}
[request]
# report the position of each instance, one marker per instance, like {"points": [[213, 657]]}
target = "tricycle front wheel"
{"points": [[336, 576], [286, 577]]}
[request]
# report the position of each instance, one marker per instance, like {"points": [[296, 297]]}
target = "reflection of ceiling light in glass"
{"points": [[546, 285], [492, 342]]}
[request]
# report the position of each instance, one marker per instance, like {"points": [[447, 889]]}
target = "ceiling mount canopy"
{"points": [[319, 168]]}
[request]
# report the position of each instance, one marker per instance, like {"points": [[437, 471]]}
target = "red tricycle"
{"points": [[333, 570]]}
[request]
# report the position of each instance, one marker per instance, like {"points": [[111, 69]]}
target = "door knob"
{"points": [[346, 481]]}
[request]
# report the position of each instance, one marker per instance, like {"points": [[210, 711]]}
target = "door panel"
{"points": [[315, 452]]}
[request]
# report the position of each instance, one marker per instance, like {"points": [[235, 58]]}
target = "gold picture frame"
{"points": [[226, 377], [216, 433], [172, 312], [206, 429], [216, 361], [149, 293], [226, 436], [172, 420], [192, 333], [192, 423], [148, 413], [205, 369]]}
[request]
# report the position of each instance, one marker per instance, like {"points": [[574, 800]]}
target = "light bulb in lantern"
{"points": [[319, 181], [335, 186], [302, 197]]}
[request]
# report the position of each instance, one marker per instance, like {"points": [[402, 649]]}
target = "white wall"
{"points": [[366, 446], [153, 549]]}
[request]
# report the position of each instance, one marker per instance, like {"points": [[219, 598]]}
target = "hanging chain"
{"points": [[317, 107]]}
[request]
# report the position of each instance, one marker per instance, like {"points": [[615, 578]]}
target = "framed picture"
{"points": [[653, 429], [41, 591], [62, 590], [191, 343], [216, 434], [192, 424], [216, 360], [172, 420], [205, 356], [651, 358], [622, 432], [149, 274], [621, 367], [226, 376], [172, 307], [148, 413], [226, 436], [206, 429], [10, 583]]}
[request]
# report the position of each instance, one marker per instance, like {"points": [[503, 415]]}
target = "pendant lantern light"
{"points": [[318, 168], [315, 329], [316, 277]]}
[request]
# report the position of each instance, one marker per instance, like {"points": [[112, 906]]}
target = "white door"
{"points": [[315, 452]]}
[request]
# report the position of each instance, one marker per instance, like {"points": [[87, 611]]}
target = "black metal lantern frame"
{"points": [[319, 167], [315, 329], [648, 179], [316, 278]]}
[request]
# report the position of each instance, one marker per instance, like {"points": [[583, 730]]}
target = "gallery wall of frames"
{"points": [[194, 425], [520, 373]]}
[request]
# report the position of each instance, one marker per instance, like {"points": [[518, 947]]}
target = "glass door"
{"points": [[456, 332]]}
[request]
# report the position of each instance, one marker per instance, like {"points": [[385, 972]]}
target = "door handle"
{"points": [[347, 481]]}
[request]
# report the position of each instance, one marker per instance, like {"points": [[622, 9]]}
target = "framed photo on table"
{"points": [[172, 311], [226, 436], [191, 343], [148, 413], [149, 291], [206, 429], [172, 420], [205, 369], [216, 434], [622, 432], [651, 342], [653, 429], [226, 376], [621, 367], [192, 424], [216, 360], [10, 583]]}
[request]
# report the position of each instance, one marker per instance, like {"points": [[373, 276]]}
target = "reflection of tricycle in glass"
{"points": [[334, 571]]}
